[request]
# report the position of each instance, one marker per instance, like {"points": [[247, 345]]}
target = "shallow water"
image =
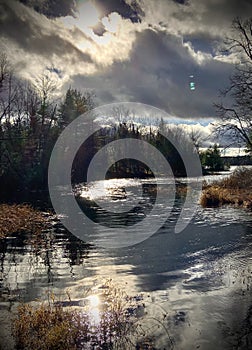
{"points": [[200, 278]]}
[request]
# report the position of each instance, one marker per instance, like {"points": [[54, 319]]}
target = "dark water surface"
{"points": [[201, 277]]}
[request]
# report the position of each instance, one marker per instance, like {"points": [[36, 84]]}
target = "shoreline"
{"points": [[215, 196], [234, 190]]}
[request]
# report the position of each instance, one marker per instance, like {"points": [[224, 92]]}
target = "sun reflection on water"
{"points": [[94, 301], [93, 309]]}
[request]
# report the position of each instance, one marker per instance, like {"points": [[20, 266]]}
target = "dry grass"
{"points": [[18, 218], [235, 189], [47, 327], [181, 189], [56, 325]]}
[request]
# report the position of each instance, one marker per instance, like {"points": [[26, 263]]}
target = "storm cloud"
{"points": [[143, 51]]}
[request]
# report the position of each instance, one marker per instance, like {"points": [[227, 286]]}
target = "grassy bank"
{"points": [[235, 190], [18, 218]]}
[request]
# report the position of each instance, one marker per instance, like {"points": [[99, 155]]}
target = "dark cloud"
{"points": [[27, 33], [167, 41], [99, 29], [52, 9], [182, 2], [202, 43], [219, 10], [158, 74], [205, 17], [54, 70]]}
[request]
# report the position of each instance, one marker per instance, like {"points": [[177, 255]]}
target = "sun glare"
{"points": [[94, 301], [88, 15], [111, 22], [93, 307]]}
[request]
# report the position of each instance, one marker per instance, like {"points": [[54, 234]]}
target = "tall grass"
{"points": [[241, 178], [235, 189], [53, 325]]}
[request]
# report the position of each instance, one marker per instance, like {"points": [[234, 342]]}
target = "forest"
{"points": [[32, 118]]}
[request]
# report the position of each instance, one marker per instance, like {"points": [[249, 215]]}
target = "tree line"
{"points": [[31, 120]]}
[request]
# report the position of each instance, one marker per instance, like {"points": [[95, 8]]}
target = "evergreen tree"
{"points": [[74, 104], [211, 159]]}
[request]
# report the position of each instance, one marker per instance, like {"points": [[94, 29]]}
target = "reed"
{"points": [[235, 189], [57, 325]]}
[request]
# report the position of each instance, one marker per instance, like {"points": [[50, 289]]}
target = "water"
{"points": [[200, 278]]}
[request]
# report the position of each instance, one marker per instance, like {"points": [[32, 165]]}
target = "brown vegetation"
{"points": [[18, 218], [235, 189], [59, 325]]}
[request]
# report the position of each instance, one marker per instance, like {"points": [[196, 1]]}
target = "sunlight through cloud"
{"points": [[87, 17], [111, 23]]}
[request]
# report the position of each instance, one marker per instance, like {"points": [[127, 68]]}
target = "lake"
{"points": [[199, 278]]}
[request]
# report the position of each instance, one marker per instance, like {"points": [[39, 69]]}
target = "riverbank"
{"points": [[234, 190], [20, 218]]}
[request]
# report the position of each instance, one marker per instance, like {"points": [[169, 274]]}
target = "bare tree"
{"points": [[4, 68], [7, 88], [236, 116], [197, 137]]}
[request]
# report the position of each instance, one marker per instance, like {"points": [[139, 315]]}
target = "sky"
{"points": [[146, 51]]}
